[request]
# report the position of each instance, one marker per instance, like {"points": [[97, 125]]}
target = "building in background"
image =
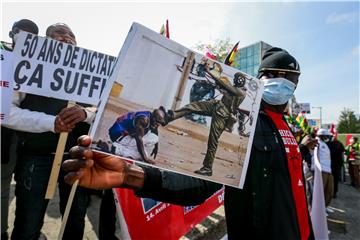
{"points": [[247, 59]]}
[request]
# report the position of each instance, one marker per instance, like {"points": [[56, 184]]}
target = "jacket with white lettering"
{"points": [[263, 209], [6, 133]]}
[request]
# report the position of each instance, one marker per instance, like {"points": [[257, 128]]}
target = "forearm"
{"points": [[134, 177], [175, 188], [229, 88], [140, 146], [90, 114], [30, 121]]}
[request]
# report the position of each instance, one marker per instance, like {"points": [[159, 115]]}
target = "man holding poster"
{"points": [[272, 204], [39, 120]]}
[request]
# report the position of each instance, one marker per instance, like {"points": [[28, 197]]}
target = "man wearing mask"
{"points": [[272, 204], [39, 120], [323, 136], [8, 138]]}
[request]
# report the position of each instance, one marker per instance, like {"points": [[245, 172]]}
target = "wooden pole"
{"points": [[183, 80], [115, 92], [50, 191], [67, 209]]}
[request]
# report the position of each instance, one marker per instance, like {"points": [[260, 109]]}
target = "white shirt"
{"points": [[127, 147], [324, 157], [33, 121]]}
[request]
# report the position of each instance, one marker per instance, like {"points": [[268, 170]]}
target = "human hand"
{"points": [[100, 170], [309, 142], [155, 151], [59, 126], [149, 160], [312, 144], [72, 115]]}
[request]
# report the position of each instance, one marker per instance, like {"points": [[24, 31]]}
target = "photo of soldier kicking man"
{"points": [[222, 113]]}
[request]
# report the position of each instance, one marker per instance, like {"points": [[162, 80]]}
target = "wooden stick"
{"points": [[67, 209], [183, 80], [50, 191], [116, 90]]}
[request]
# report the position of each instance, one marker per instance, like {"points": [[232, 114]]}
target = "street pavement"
{"points": [[344, 223]]}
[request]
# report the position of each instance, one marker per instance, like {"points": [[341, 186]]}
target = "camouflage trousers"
{"points": [[219, 115]]}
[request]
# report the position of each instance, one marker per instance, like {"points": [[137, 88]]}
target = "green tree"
{"points": [[348, 123], [220, 48]]}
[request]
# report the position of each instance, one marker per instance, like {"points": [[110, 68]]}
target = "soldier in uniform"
{"points": [[221, 112]]}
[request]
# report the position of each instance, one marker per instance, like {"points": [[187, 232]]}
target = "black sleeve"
{"points": [[175, 188]]}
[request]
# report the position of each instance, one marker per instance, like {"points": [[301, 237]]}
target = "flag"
{"points": [[209, 54], [167, 29], [318, 217], [303, 123], [230, 57], [333, 130], [164, 30]]}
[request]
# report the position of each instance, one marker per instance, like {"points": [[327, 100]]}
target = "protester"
{"points": [[337, 160], [323, 136], [39, 120], [8, 138], [353, 160], [272, 204]]}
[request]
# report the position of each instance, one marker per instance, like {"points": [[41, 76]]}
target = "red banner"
{"points": [[149, 219]]}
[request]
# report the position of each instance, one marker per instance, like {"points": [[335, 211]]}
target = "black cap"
{"points": [[26, 25], [277, 59]]}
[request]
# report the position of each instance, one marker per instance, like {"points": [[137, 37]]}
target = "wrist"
{"points": [[85, 114], [134, 177]]}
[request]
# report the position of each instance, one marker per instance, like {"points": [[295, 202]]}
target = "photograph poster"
{"points": [[178, 110]]}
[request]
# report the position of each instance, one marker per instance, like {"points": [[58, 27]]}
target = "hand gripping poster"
{"points": [[178, 110]]}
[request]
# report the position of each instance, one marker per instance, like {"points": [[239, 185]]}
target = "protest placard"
{"points": [[54, 69], [46, 67], [217, 127], [6, 84], [300, 108]]}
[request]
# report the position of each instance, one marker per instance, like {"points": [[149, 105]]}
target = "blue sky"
{"points": [[323, 36]]}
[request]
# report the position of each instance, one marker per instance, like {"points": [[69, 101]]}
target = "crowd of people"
{"points": [[273, 203]]}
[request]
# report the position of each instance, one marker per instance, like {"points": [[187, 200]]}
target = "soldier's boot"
{"points": [[206, 171]]}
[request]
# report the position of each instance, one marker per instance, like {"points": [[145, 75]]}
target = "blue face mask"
{"points": [[278, 91]]}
